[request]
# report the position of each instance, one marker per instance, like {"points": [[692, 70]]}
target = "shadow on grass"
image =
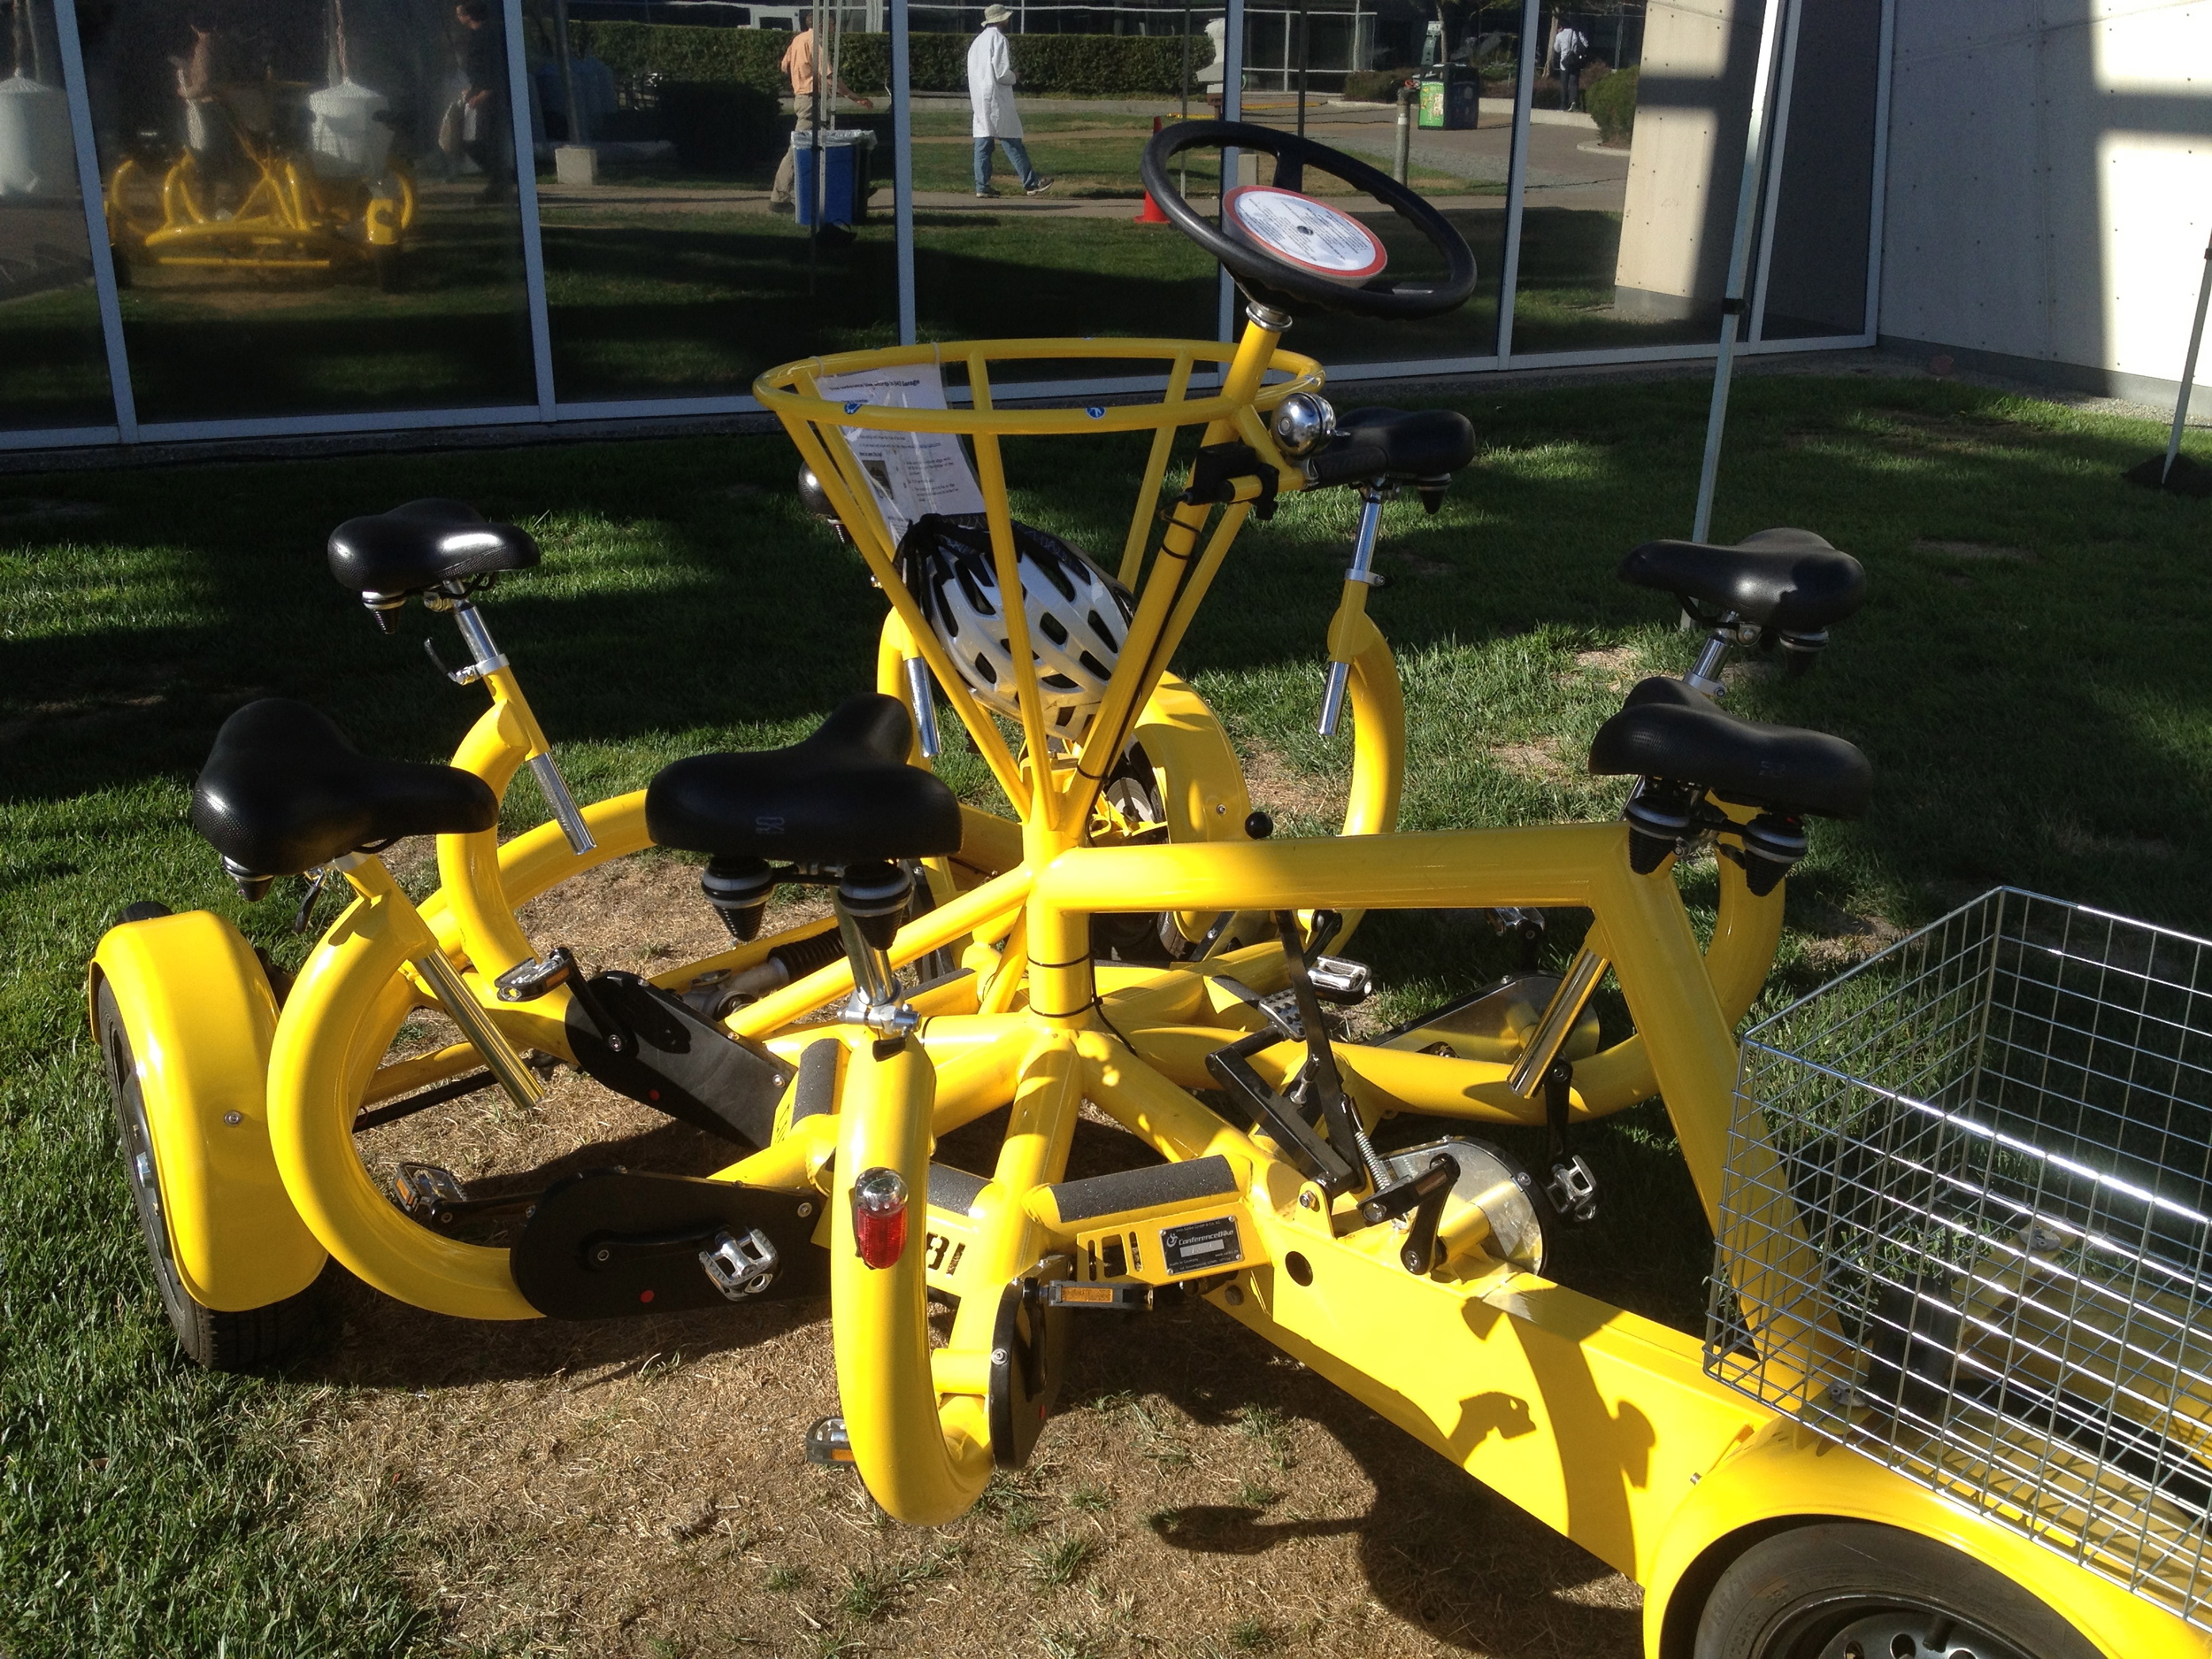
{"points": [[685, 599]]}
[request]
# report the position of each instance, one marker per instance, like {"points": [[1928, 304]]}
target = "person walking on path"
{"points": [[806, 66], [1570, 49], [991, 98], [485, 122]]}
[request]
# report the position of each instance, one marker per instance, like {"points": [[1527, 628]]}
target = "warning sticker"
{"points": [[1306, 233], [1197, 1245]]}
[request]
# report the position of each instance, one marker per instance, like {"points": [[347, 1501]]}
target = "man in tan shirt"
{"points": [[806, 65]]}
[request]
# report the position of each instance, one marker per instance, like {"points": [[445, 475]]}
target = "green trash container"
{"points": [[1451, 99]]}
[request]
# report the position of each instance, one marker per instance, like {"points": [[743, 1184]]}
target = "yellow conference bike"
{"points": [[1138, 939]]}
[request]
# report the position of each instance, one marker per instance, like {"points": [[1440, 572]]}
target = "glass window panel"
{"points": [[313, 203], [1093, 82], [53, 368], [1462, 170], [1629, 246], [1817, 275], [678, 268]]}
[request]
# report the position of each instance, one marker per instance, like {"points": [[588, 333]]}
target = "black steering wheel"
{"points": [[1261, 240]]}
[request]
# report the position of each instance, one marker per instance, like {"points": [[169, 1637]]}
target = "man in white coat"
{"points": [[991, 98]]}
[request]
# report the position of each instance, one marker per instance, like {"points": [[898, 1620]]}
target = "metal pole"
{"points": [[1739, 263], [576, 133], [1778, 160], [902, 165], [816, 173], [1400, 167], [1182, 168], [2189, 368], [1186, 26], [1305, 59], [1517, 182], [71, 45]]}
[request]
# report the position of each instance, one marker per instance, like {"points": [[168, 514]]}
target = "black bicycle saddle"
{"points": [[1791, 580], [422, 545], [1399, 446], [284, 791], [1671, 731], [844, 796]]}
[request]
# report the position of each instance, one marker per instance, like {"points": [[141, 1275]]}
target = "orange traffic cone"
{"points": [[1151, 214]]}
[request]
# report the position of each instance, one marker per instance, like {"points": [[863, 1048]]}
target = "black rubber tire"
{"points": [[245, 1340], [1837, 1589]]}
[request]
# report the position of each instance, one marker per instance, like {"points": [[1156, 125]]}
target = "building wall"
{"points": [[2049, 178]]}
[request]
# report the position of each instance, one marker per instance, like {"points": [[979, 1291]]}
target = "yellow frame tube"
{"points": [[336, 1024], [1662, 976], [924, 1466]]}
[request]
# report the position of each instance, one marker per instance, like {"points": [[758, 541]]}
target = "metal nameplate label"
{"points": [[1197, 1246]]}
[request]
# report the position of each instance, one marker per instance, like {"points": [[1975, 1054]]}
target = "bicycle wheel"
{"points": [[1852, 1590], [221, 1340]]}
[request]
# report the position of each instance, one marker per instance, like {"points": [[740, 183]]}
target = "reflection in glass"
{"points": [[312, 204], [1815, 275], [681, 252], [1075, 257], [53, 369], [1626, 227], [1461, 172]]}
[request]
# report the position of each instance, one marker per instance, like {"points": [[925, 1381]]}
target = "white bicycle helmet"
{"points": [[1078, 615]]}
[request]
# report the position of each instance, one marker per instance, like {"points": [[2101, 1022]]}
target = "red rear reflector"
{"points": [[880, 1217]]}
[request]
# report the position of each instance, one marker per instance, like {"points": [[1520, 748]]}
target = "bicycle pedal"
{"points": [[1279, 1008], [1573, 1189], [1341, 980], [742, 1267], [427, 1192], [828, 1444], [1094, 1298], [527, 981]]}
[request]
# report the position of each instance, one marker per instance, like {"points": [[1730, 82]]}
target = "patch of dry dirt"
{"points": [[1620, 666], [638, 1488], [1841, 938], [1540, 759], [1285, 792]]}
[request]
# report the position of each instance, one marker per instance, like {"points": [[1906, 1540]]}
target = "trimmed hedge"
{"points": [[722, 125], [1120, 64], [1374, 86], [1611, 101]]}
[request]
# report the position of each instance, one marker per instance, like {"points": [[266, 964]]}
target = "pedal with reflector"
{"points": [[827, 1444]]}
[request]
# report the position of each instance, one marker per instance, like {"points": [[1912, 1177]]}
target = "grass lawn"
{"points": [[2028, 679]]}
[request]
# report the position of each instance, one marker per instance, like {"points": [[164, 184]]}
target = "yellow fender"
{"points": [[1785, 1474], [201, 1017]]}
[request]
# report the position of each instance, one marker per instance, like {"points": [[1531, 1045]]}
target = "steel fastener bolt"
{"points": [[1308, 1200], [234, 1118], [1234, 1295], [805, 1211]]}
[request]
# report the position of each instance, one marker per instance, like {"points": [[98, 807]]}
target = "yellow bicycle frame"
{"points": [[1601, 1423]]}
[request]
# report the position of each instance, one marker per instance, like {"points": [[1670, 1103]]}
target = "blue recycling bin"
{"points": [[844, 184]]}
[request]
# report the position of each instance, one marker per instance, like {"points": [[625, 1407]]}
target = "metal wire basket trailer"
{"points": [[1966, 1222]]}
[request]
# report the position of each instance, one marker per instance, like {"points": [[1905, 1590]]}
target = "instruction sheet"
{"points": [[910, 473]]}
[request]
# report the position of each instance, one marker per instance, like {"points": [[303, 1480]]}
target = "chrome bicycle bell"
{"points": [[817, 501], [1303, 424]]}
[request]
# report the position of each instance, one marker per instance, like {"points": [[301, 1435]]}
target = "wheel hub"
{"points": [[1912, 1634]]}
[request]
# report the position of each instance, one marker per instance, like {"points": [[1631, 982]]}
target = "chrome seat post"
{"points": [[872, 900], [486, 658]]}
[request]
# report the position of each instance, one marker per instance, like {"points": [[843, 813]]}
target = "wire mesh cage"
{"points": [[1965, 1228]]}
